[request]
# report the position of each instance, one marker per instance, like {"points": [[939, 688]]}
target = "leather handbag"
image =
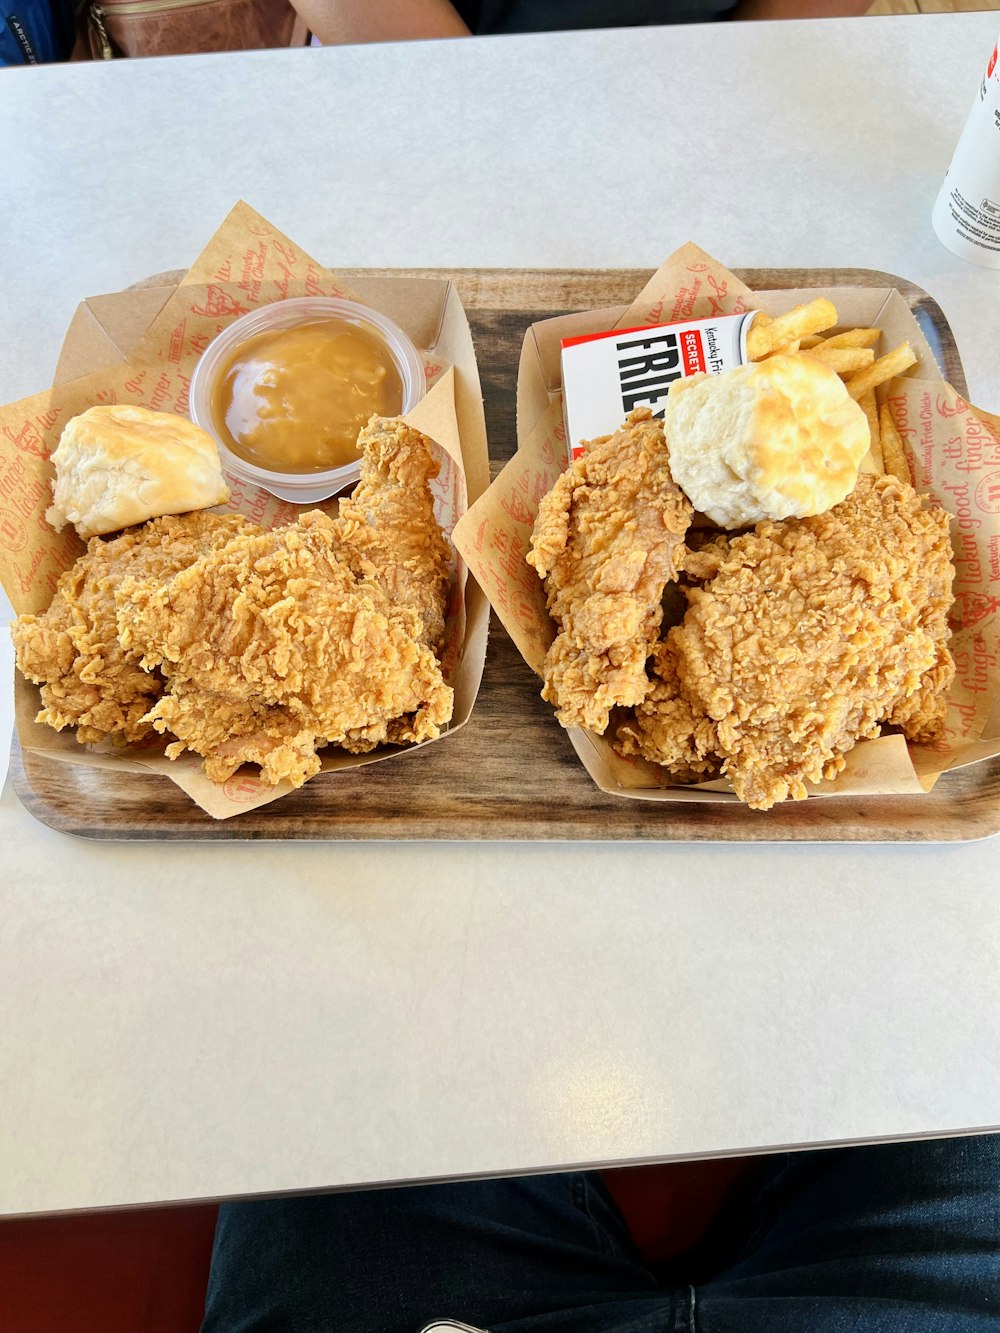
{"points": [[111, 28]]}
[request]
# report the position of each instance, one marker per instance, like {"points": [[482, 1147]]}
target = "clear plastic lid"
{"points": [[299, 487]]}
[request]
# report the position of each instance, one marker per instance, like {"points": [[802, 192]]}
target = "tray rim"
{"points": [[499, 282], [230, 831]]}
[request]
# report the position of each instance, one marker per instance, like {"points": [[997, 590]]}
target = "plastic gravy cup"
{"points": [[299, 487]]}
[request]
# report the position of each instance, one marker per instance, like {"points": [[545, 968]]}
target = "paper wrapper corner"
{"points": [[140, 347], [954, 454]]}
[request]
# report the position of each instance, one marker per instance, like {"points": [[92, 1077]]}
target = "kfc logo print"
{"points": [[241, 790], [993, 63], [13, 533], [219, 303], [988, 493], [28, 438], [972, 607], [950, 408]]}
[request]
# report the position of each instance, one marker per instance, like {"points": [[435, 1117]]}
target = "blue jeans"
{"points": [[898, 1237]]}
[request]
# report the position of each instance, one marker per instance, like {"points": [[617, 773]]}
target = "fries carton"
{"points": [[606, 375], [140, 347], [952, 451]]}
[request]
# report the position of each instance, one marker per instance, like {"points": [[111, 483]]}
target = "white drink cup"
{"points": [[966, 214]]}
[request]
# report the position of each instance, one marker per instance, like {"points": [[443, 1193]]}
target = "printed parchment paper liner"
{"points": [[954, 455], [140, 347]]}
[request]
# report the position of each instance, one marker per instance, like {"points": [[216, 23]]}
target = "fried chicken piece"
{"points": [[812, 634], [389, 520], [273, 645], [606, 541], [256, 646], [667, 729], [88, 680], [701, 561]]}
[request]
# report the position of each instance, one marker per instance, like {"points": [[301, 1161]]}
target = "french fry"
{"points": [[893, 450], [813, 317], [851, 354], [854, 338], [761, 322], [873, 460], [879, 372], [844, 360]]}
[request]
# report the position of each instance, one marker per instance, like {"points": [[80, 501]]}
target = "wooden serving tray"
{"points": [[511, 772]]}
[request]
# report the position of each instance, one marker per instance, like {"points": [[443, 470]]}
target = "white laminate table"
{"points": [[185, 1021]]}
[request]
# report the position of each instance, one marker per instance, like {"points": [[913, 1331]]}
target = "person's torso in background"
{"points": [[499, 16], [35, 32]]}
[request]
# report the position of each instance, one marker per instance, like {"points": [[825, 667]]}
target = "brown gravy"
{"points": [[294, 400]]}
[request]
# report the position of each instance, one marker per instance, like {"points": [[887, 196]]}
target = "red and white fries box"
{"points": [[606, 375]]}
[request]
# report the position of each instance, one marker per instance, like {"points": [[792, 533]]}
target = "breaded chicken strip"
{"points": [[606, 542], [273, 645], [72, 651], [669, 730], [810, 635], [389, 519]]}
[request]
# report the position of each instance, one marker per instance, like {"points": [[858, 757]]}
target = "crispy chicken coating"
{"points": [[389, 520], [272, 646], [246, 645], [668, 729], [606, 541], [88, 680], [809, 635]]}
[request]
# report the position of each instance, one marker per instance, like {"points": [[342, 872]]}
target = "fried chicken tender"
{"points": [[606, 541], [273, 645], [389, 520], [810, 635], [88, 680], [670, 730]]}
